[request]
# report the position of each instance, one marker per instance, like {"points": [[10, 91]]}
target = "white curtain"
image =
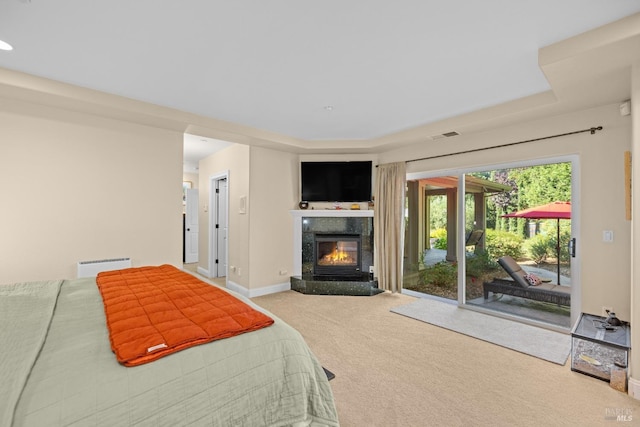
{"points": [[388, 225]]}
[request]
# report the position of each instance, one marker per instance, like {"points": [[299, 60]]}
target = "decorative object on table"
{"points": [[303, 205], [612, 320], [600, 349]]}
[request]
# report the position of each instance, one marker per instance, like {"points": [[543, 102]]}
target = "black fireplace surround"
{"points": [[346, 229], [337, 254]]}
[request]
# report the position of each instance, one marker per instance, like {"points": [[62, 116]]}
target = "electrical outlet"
{"points": [[604, 310], [283, 272]]}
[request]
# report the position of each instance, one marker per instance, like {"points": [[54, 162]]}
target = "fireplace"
{"points": [[347, 224], [337, 254], [350, 231]]}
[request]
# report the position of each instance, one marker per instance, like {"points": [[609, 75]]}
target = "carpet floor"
{"points": [[395, 371], [542, 343]]}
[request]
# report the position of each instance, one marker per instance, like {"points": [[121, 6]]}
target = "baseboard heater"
{"points": [[92, 268]]}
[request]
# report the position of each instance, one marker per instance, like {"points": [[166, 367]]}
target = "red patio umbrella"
{"points": [[553, 210]]}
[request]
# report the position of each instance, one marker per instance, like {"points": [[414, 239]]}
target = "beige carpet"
{"points": [[395, 371]]}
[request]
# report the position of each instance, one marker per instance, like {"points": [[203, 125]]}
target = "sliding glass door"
{"points": [[460, 225]]}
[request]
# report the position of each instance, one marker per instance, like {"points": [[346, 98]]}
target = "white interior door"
{"points": [[221, 228], [191, 226]]}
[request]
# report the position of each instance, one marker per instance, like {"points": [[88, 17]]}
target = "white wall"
{"points": [[234, 160], [634, 384], [193, 178], [81, 188], [260, 240], [274, 192]]}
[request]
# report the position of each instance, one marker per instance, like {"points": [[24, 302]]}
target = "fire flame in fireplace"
{"points": [[337, 257]]}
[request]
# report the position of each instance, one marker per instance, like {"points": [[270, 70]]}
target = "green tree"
{"points": [[438, 212], [542, 184], [502, 203], [532, 186]]}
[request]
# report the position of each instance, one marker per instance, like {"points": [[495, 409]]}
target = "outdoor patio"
{"points": [[534, 310]]}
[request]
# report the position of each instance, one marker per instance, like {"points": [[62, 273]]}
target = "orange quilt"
{"points": [[155, 311]]}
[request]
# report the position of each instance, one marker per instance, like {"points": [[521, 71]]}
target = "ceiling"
{"points": [[198, 147], [309, 74]]}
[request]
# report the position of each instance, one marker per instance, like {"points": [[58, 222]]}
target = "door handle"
{"points": [[572, 247], [188, 229]]}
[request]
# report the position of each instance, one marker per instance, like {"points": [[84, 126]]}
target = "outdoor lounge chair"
{"points": [[520, 287], [474, 238]]}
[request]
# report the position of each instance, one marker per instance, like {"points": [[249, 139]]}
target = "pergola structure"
{"points": [[418, 226]]}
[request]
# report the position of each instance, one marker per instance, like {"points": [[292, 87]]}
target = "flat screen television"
{"points": [[336, 181]]}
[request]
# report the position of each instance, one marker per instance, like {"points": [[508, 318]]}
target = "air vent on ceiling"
{"points": [[444, 135]]}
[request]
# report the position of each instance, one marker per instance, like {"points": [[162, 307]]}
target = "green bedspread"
{"points": [[25, 314], [264, 378]]}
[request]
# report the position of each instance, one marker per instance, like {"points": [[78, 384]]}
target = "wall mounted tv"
{"points": [[336, 181]]}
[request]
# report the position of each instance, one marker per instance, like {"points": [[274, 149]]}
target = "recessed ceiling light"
{"points": [[5, 46]]}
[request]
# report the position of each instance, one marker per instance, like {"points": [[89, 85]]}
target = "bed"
{"points": [[58, 369]]}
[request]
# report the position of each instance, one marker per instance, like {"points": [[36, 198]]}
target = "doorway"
{"points": [[218, 224]]}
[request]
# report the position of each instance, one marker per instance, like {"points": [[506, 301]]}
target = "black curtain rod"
{"points": [[591, 130]]}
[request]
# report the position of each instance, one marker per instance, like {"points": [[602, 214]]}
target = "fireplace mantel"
{"points": [[317, 213], [332, 213]]}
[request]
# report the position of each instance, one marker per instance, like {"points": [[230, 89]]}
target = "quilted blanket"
{"points": [[155, 311]]}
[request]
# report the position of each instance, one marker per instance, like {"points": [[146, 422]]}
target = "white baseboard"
{"points": [[634, 388], [237, 288], [273, 289], [204, 272], [252, 293]]}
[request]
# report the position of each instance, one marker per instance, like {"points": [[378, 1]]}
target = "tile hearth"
{"points": [[335, 285]]}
